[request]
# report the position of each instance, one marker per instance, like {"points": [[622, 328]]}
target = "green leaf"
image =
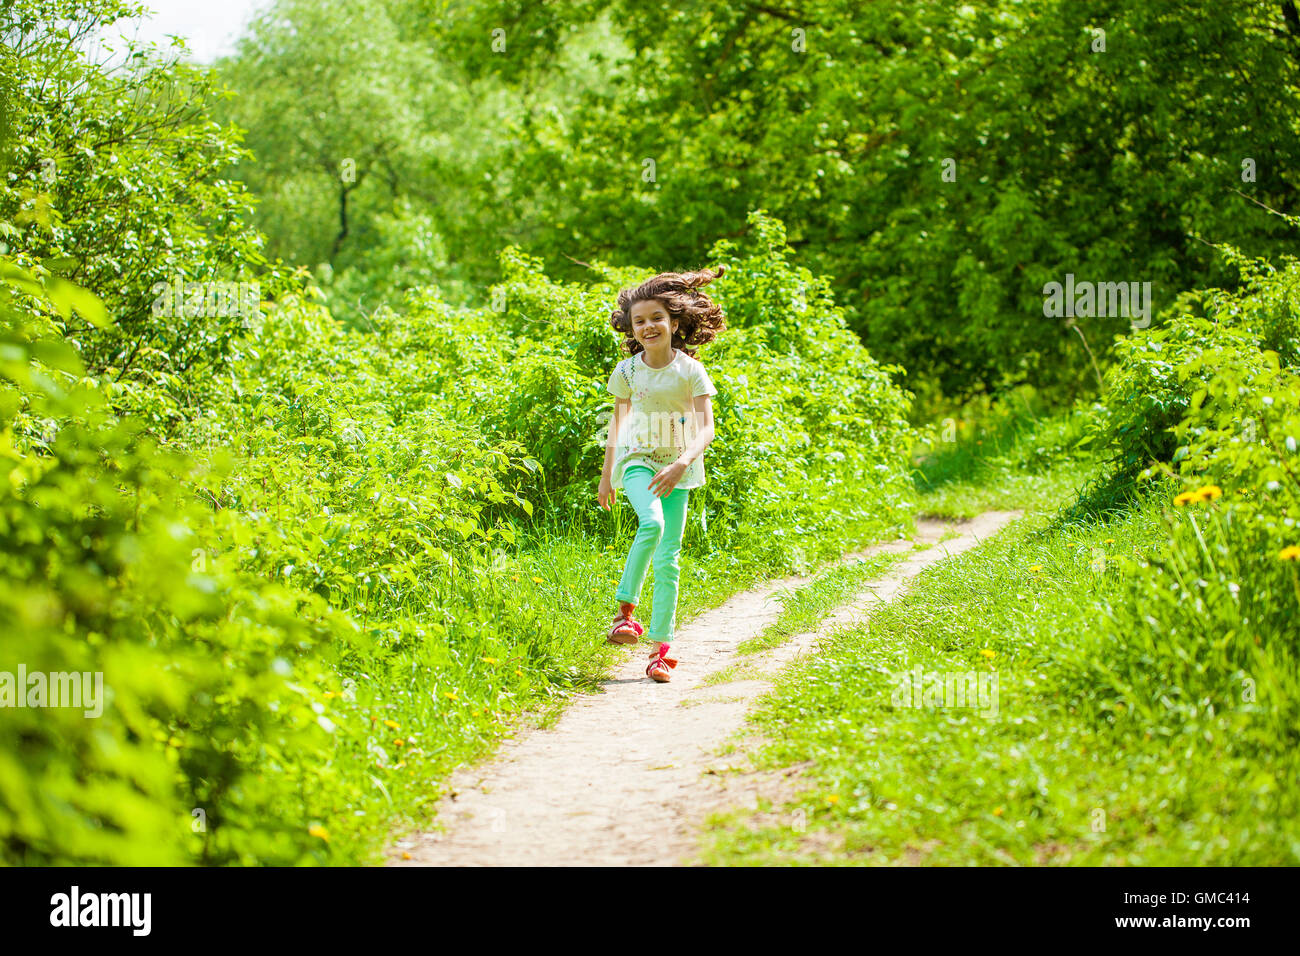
{"points": [[67, 296]]}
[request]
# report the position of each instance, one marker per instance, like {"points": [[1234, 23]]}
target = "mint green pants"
{"points": [[658, 537]]}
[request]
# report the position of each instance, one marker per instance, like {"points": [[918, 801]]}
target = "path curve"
{"points": [[625, 777]]}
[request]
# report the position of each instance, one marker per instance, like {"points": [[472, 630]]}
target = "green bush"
{"points": [[207, 670], [1214, 396]]}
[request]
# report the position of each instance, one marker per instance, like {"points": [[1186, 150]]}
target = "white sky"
{"points": [[208, 26]]}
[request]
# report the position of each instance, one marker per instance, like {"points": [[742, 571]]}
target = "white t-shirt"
{"points": [[662, 420]]}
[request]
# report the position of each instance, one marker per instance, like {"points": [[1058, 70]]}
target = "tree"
{"points": [[116, 180]]}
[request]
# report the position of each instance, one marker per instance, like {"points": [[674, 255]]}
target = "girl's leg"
{"points": [[650, 514], [667, 564]]}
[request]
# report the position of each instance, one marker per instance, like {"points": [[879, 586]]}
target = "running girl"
{"points": [[663, 421]]}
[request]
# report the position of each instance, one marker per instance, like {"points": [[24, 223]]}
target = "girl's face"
{"points": [[651, 325]]}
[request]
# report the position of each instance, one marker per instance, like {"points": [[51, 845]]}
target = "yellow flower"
{"points": [[490, 660], [1209, 492], [406, 856], [833, 799], [988, 653], [391, 723], [317, 830], [1290, 553], [537, 580], [518, 672], [1035, 568], [1109, 541], [450, 695], [997, 812], [399, 742], [1186, 498], [515, 576], [328, 694]]}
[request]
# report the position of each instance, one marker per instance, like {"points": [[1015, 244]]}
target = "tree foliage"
{"points": [[940, 162], [117, 178]]}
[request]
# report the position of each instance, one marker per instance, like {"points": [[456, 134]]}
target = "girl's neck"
{"points": [[658, 358]]}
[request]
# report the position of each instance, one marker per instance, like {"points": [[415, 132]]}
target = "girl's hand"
{"points": [[606, 494], [663, 483]]}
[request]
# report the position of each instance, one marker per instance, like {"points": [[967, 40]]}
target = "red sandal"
{"points": [[625, 630], [659, 664]]}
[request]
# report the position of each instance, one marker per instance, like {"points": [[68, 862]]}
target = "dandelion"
{"points": [[537, 581], [518, 672], [833, 799], [490, 660], [515, 577], [1209, 493], [406, 856], [1109, 541], [399, 742], [1035, 568], [317, 830], [997, 812], [391, 724], [988, 653], [450, 695], [1290, 553], [329, 693], [1186, 498]]}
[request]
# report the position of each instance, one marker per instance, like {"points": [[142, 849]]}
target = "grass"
{"points": [[1110, 733], [741, 670], [1012, 459]]}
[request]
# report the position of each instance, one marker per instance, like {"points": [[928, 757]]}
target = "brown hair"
{"points": [[699, 318]]}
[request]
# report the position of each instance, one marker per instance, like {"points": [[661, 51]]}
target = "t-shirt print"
{"points": [[661, 423]]}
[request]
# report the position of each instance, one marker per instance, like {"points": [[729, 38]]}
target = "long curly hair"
{"points": [[699, 318]]}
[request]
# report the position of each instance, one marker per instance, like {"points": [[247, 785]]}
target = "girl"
{"points": [[663, 421]]}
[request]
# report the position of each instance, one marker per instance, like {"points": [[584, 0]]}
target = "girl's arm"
{"points": [[621, 407], [704, 430]]}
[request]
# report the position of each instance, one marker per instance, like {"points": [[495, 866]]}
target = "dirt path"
{"points": [[625, 777]]}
